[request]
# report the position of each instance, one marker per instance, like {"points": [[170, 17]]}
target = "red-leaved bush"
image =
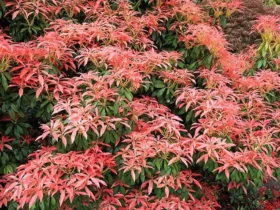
{"points": [[134, 105]]}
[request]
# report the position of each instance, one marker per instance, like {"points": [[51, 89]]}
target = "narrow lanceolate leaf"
{"points": [[133, 175], [4, 82], [62, 197], [128, 95], [32, 200]]}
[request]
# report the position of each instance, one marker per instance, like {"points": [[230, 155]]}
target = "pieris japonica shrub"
{"points": [[134, 105], [268, 51]]}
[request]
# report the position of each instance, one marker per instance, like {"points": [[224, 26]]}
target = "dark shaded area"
{"points": [[4, 23]]}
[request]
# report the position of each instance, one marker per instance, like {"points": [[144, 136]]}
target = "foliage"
{"points": [[269, 198], [98, 112], [271, 2], [268, 27]]}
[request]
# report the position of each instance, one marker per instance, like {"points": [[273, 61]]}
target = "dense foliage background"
{"points": [[135, 105], [272, 2]]}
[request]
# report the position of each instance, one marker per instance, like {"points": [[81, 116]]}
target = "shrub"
{"points": [[134, 105]]}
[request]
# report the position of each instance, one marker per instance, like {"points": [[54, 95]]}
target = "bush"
{"points": [[135, 105]]}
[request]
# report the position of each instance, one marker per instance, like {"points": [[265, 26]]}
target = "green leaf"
{"points": [[85, 143], [4, 82], [264, 63], [160, 92], [102, 112], [44, 103], [25, 125], [8, 130], [181, 64], [259, 63], [128, 95], [7, 75], [223, 20], [192, 66], [12, 114], [142, 176], [53, 201], [16, 132], [8, 169], [116, 108], [14, 108], [19, 129], [2, 6], [159, 84], [263, 52], [158, 163], [165, 166], [122, 190], [189, 115], [42, 205], [49, 108], [182, 111]]}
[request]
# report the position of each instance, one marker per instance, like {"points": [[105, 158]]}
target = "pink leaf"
{"points": [[62, 197], [20, 92], [133, 175], [166, 190], [32, 200], [103, 129], [150, 188], [41, 80], [38, 92], [15, 14], [227, 173]]}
